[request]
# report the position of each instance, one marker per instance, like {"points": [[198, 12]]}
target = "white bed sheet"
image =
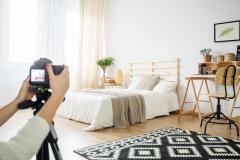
{"points": [[97, 110]]}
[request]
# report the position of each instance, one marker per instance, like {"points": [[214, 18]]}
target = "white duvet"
{"points": [[97, 110]]}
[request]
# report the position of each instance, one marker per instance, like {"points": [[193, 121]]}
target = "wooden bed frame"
{"points": [[167, 69]]}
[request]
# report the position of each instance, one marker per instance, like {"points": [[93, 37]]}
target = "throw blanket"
{"points": [[128, 108]]}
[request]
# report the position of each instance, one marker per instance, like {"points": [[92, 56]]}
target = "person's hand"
{"points": [[25, 92], [58, 83]]}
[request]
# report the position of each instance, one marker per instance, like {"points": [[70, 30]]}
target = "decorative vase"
{"points": [[118, 77], [102, 80], [207, 58], [104, 72]]}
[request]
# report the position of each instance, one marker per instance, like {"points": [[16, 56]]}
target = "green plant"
{"points": [[226, 31], [104, 63], [205, 51]]}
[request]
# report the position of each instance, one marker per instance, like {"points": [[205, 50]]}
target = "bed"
{"points": [[97, 110]]}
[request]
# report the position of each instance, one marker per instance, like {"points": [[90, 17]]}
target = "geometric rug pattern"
{"points": [[168, 143]]}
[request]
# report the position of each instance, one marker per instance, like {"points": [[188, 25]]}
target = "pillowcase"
{"points": [[144, 82], [165, 87]]}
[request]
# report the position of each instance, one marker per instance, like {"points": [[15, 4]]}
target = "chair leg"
{"points": [[218, 114], [236, 128], [206, 118], [231, 122], [218, 110], [205, 128]]}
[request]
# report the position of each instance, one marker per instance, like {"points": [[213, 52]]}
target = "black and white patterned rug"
{"points": [[165, 144]]}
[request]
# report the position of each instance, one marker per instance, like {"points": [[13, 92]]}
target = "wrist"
{"points": [[57, 97], [16, 101]]}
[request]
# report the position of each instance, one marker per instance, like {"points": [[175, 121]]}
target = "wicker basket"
{"points": [[220, 58], [229, 57]]}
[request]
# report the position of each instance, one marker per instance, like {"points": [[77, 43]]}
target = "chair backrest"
{"points": [[227, 76]]}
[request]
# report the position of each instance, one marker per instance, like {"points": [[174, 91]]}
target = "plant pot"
{"points": [[207, 58]]}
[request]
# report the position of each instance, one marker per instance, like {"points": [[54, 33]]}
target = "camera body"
{"points": [[39, 78]]}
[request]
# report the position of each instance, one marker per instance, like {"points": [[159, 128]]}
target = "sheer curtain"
{"points": [[59, 33], [66, 31], [92, 42], [44, 28]]}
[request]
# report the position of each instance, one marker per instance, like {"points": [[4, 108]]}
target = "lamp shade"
{"points": [[118, 78]]}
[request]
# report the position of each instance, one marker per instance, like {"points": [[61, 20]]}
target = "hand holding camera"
{"points": [[25, 92], [43, 77], [58, 83]]}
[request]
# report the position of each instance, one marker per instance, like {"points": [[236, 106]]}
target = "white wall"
{"points": [[154, 29]]}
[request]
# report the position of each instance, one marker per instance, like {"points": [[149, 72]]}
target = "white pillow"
{"points": [[165, 87], [144, 82], [135, 82]]}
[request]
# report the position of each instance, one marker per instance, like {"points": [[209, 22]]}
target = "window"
{"points": [[22, 30], [72, 37], [44, 29]]}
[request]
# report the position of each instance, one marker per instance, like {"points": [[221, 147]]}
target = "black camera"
{"points": [[39, 79]]}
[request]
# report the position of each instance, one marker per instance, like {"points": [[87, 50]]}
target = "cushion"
{"points": [[144, 82], [165, 87]]}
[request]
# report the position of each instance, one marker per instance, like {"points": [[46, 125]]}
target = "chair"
{"points": [[226, 76]]}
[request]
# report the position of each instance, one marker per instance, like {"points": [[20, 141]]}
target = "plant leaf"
{"points": [[226, 31]]}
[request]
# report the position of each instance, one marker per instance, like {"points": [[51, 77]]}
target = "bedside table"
{"points": [[111, 86]]}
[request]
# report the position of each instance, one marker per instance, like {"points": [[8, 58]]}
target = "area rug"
{"points": [[165, 144]]}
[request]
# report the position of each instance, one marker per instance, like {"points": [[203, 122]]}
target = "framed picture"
{"points": [[227, 31]]}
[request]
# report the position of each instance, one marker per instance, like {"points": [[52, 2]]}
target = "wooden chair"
{"points": [[226, 76]]}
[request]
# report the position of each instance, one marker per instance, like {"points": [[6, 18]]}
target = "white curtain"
{"points": [[65, 31], [92, 42], [44, 28]]}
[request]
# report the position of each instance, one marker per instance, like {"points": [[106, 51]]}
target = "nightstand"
{"points": [[111, 86]]}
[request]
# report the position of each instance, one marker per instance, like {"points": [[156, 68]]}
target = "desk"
{"points": [[203, 79]]}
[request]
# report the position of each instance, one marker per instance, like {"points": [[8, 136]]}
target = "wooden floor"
{"points": [[71, 136]]}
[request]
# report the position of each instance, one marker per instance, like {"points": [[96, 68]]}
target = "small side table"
{"points": [[111, 86]]}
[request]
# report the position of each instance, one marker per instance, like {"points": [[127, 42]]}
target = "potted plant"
{"points": [[104, 63], [206, 53]]}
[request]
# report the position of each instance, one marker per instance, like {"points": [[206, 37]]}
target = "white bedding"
{"points": [[97, 110]]}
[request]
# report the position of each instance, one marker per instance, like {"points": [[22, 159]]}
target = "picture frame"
{"points": [[227, 31]]}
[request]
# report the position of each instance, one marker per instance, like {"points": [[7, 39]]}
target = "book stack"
{"points": [[109, 81]]}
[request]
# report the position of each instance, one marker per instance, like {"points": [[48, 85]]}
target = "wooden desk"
{"points": [[203, 79]]}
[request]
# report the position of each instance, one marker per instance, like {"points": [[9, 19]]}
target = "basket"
{"points": [[229, 57], [220, 58]]}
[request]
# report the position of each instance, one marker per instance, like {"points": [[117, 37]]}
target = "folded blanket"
{"points": [[128, 108]]}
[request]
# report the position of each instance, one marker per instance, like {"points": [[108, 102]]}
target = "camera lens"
{"points": [[57, 69]]}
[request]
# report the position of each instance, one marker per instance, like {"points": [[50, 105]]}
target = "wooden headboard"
{"points": [[167, 69]]}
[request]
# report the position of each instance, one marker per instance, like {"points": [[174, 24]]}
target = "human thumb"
{"points": [[49, 70]]}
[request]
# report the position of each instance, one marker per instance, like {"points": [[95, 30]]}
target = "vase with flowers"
{"points": [[104, 63]]}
